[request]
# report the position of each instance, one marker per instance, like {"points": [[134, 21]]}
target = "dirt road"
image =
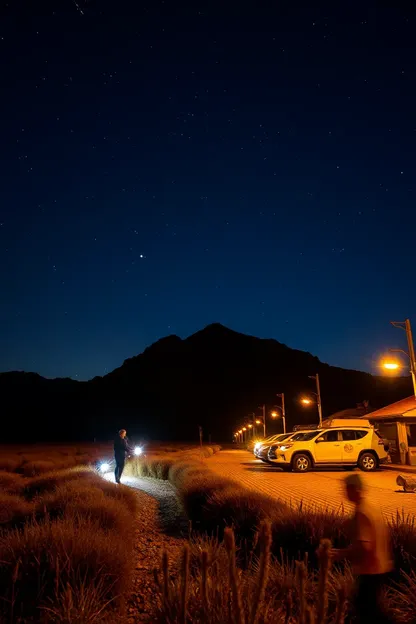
{"points": [[314, 489]]}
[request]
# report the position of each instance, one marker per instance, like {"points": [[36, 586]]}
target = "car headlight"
{"points": [[257, 446], [285, 447], [105, 467], [138, 450]]}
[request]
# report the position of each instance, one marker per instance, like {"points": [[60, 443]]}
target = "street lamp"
{"points": [[411, 350], [390, 365], [307, 401], [263, 408], [282, 396]]}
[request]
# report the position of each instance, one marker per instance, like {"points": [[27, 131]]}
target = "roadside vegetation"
{"points": [[33, 460], [67, 534], [67, 542], [214, 505], [65, 547]]}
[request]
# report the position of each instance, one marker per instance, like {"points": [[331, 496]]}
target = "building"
{"points": [[397, 424]]}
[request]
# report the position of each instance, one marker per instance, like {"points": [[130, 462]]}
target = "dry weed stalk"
{"points": [[341, 605], [204, 583], [265, 540], [237, 607], [184, 585], [301, 586], [324, 566]]}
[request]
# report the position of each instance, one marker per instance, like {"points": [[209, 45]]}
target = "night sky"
{"points": [[163, 168]]}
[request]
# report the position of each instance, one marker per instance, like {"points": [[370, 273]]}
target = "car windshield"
{"points": [[304, 437], [276, 438]]}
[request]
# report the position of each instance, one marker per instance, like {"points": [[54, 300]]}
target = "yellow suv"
{"points": [[347, 446]]}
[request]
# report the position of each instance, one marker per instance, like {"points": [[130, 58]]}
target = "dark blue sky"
{"points": [[163, 168]]}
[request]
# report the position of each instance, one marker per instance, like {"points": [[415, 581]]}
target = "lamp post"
{"points": [[411, 350], [307, 401], [282, 397], [263, 408]]}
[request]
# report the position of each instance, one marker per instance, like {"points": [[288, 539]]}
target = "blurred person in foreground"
{"points": [[370, 554], [121, 450]]}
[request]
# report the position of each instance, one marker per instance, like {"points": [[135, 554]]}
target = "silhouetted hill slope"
{"points": [[213, 378]]}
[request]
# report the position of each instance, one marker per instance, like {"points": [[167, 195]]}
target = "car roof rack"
{"points": [[306, 427]]}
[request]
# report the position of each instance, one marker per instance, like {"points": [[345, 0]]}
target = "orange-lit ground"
{"points": [[322, 489]]}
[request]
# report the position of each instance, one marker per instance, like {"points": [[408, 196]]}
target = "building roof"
{"points": [[352, 412], [404, 407]]}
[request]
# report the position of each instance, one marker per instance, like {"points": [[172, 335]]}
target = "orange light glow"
{"points": [[306, 401], [244, 429], [274, 414], [258, 422], [249, 426], [391, 365]]}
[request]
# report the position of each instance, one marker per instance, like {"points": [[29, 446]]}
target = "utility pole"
{"points": [[253, 416], [318, 396], [411, 350], [264, 419], [282, 396]]}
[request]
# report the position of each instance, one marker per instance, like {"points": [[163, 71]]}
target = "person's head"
{"points": [[122, 433], [354, 488]]}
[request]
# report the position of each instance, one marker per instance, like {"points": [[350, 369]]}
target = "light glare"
{"points": [[391, 365]]}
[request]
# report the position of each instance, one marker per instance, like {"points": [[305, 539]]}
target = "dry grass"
{"points": [[214, 503], [66, 544], [14, 511], [44, 560], [48, 482], [37, 459], [11, 482], [212, 589]]}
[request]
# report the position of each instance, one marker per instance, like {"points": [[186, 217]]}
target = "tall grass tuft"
{"points": [[58, 554], [11, 482], [218, 592]]}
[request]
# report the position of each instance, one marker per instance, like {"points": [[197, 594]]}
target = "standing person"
{"points": [[370, 554], [121, 450]]}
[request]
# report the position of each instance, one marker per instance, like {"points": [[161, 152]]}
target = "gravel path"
{"points": [[160, 526]]}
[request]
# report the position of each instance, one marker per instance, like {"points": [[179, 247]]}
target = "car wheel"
{"points": [[367, 462], [301, 463]]}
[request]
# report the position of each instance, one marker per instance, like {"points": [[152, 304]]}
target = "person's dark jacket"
{"points": [[121, 448]]}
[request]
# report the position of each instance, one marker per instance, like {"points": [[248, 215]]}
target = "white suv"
{"points": [[347, 446]]}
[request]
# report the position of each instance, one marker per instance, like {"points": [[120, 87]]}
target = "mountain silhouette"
{"points": [[213, 379]]}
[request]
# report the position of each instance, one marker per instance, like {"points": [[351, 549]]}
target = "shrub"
{"points": [[89, 502], [14, 511], [214, 591], [37, 467], [120, 493], [42, 562], [11, 463], [11, 482], [49, 481], [241, 509], [403, 535], [149, 467], [296, 531]]}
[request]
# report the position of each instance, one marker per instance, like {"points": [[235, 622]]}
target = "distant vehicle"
{"points": [[261, 448], [346, 446]]}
